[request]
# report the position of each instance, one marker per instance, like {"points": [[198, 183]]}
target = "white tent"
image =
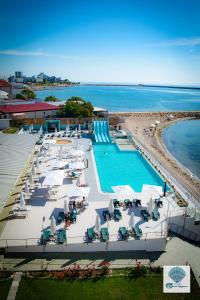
{"points": [[22, 200], [54, 178], [97, 224], [150, 206], [53, 225], [111, 207], [131, 221], [66, 208], [123, 191], [76, 191], [78, 165]]}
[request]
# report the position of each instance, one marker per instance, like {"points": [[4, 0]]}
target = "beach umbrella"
{"points": [[79, 127], [26, 187], [123, 191], [53, 225], [150, 206], [41, 130], [77, 152], [65, 207], [54, 178], [111, 207], [76, 191], [56, 129], [97, 224], [58, 164], [153, 125], [171, 116], [165, 189], [157, 122], [37, 161], [78, 165], [33, 171], [22, 200], [131, 221], [31, 178]]}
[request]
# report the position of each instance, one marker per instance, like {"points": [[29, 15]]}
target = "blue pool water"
{"points": [[117, 167], [183, 142], [130, 98]]}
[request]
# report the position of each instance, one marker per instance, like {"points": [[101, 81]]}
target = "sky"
{"points": [[129, 41]]}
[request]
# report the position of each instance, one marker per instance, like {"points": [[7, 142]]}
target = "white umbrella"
{"points": [[41, 130], [60, 153], [123, 191], [53, 225], [33, 171], [157, 122], [76, 152], [111, 207], [26, 187], [79, 127], [31, 178], [153, 125], [22, 200], [150, 206], [37, 162], [76, 191], [171, 116], [54, 178], [56, 129], [97, 224], [59, 164], [76, 165], [131, 221], [153, 190], [66, 209]]}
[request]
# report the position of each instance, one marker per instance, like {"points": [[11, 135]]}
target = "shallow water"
{"points": [[130, 98], [183, 142]]}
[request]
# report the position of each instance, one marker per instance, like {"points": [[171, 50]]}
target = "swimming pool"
{"points": [[117, 167]]}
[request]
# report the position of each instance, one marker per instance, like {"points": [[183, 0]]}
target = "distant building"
{"points": [[35, 110], [6, 87], [18, 74]]}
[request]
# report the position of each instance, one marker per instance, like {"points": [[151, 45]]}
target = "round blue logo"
{"points": [[177, 274]]}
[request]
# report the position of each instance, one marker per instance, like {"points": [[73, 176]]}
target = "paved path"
{"points": [[14, 287]]}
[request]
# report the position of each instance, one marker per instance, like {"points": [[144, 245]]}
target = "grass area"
{"points": [[113, 288], [4, 288], [10, 130]]}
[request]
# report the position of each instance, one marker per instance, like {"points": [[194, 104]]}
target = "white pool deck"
{"points": [[23, 234]]}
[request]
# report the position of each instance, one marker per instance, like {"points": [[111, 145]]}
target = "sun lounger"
{"points": [[45, 236], [158, 202], [72, 217], [61, 236], [104, 234], [60, 217], [137, 231], [123, 233], [128, 202], [117, 214], [145, 214], [106, 215], [155, 214], [91, 234]]}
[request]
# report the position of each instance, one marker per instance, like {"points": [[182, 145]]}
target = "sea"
{"points": [[130, 98], [182, 140]]}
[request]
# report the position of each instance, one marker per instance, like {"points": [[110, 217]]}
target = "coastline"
{"points": [[49, 87], [138, 124]]}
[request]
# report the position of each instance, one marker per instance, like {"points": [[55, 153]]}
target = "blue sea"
{"points": [[183, 141], [130, 98]]}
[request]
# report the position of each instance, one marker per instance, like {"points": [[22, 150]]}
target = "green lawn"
{"points": [[106, 289], [4, 288]]}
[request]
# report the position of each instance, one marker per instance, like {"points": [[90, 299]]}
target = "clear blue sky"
{"points": [[112, 41]]}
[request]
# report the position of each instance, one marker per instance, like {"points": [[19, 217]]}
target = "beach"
{"points": [[139, 125]]}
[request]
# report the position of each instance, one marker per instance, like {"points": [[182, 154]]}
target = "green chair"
{"points": [[128, 203], [91, 235], [123, 231], [117, 214], [106, 215], [104, 234], [145, 214], [61, 236], [72, 217], [116, 202], [60, 217], [137, 231], [45, 236], [155, 214]]}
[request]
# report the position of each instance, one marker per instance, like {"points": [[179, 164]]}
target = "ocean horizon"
{"points": [[118, 98]]}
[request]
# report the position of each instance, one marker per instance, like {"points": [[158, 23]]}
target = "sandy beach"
{"points": [[139, 125]]}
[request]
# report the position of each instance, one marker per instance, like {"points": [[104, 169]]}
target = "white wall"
{"points": [[4, 123]]}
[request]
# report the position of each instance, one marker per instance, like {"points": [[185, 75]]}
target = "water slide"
{"points": [[101, 132]]}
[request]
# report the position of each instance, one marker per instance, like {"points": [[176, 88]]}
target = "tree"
{"points": [[20, 96], [29, 94], [77, 107], [51, 99]]}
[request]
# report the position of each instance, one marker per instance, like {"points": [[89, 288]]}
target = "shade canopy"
{"points": [[123, 191], [78, 165], [76, 191], [54, 178], [97, 224]]}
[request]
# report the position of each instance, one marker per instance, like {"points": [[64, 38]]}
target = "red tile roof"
{"points": [[4, 83], [26, 107]]}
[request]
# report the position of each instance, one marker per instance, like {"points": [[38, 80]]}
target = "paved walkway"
{"points": [[14, 286]]}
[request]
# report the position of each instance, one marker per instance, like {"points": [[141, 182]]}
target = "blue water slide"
{"points": [[101, 132]]}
